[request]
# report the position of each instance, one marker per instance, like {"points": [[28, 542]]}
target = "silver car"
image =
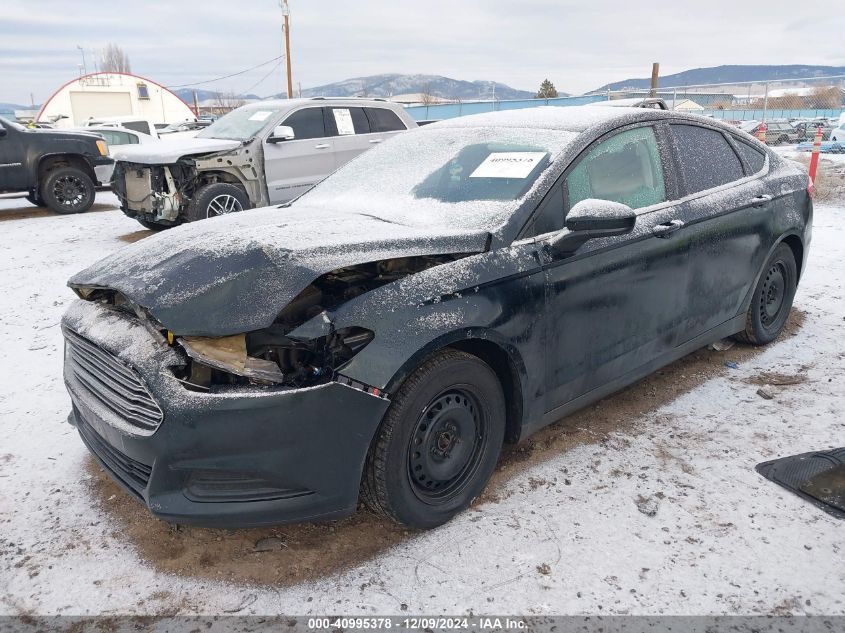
{"points": [[259, 154]]}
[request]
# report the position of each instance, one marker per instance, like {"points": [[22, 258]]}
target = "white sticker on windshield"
{"points": [[343, 120], [261, 115], [508, 165]]}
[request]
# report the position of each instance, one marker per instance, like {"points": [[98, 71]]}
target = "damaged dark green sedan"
{"points": [[459, 286]]}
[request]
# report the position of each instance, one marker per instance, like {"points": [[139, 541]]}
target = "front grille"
{"points": [[112, 383], [133, 474]]}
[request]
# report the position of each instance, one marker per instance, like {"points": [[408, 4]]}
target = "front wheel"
{"points": [[68, 190], [438, 443], [772, 298], [218, 198]]}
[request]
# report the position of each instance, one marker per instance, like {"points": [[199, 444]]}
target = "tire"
{"points": [[217, 198], [772, 298], [68, 190], [453, 408], [35, 198], [153, 226]]}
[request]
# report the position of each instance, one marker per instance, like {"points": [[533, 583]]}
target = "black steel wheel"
{"points": [[446, 442], [772, 298], [438, 443], [68, 190]]}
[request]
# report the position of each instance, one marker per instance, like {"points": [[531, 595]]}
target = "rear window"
{"points": [[384, 120], [138, 126], [754, 158], [307, 123], [706, 158], [347, 121]]}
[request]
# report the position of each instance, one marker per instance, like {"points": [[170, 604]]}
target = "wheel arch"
{"points": [[504, 359], [796, 244], [49, 162]]}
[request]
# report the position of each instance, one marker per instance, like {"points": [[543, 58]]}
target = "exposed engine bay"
{"points": [[269, 356], [161, 193]]}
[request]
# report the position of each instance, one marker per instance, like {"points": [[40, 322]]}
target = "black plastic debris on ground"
{"points": [[818, 477]]}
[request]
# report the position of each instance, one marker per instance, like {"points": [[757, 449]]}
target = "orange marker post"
{"points": [[814, 159]]}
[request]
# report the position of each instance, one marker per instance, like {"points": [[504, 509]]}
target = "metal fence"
{"points": [[788, 99]]}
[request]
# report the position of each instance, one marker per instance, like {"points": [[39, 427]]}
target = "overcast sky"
{"points": [[578, 45]]}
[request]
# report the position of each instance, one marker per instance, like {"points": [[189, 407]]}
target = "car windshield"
{"points": [[462, 176], [241, 124]]}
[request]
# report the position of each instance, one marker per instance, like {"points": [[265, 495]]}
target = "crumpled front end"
{"points": [[237, 455]]}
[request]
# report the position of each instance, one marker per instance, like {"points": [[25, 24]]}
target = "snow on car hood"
{"points": [[234, 274], [168, 151]]}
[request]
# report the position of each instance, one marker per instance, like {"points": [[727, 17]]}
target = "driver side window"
{"points": [[624, 168]]}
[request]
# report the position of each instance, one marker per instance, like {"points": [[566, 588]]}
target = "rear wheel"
{"points": [[219, 198], [772, 298], [68, 190], [438, 443]]}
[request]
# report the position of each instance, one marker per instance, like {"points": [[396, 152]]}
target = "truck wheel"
{"points": [[438, 443], [35, 198], [772, 298], [218, 198], [68, 190]]}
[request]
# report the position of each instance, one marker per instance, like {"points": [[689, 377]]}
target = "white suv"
{"points": [[259, 154]]}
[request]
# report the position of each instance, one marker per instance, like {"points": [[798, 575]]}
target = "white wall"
{"points": [[95, 95]]}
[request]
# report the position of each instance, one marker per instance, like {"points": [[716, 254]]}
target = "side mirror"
{"points": [[281, 133], [590, 219]]}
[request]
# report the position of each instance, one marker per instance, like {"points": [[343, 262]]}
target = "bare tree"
{"points": [[226, 102], [426, 97], [115, 60]]}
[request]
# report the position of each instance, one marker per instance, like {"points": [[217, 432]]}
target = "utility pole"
{"points": [[286, 13], [655, 73]]}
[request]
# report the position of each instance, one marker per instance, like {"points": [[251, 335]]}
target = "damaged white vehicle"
{"points": [[257, 155]]}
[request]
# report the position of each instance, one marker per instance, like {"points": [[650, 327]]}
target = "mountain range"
{"points": [[729, 74]]}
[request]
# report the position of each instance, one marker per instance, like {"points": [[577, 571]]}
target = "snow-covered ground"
{"points": [[647, 503]]}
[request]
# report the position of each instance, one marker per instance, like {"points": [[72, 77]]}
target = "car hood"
{"points": [[168, 151], [234, 274]]}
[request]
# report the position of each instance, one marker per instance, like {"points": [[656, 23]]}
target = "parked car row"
{"points": [[455, 287]]}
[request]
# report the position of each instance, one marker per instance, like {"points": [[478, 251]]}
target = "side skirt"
{"points": [[728, 328]]}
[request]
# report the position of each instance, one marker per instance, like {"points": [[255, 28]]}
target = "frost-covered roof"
{"points": [[569, 118]]}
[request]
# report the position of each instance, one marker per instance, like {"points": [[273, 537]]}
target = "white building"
{"points": [[112, 94]]}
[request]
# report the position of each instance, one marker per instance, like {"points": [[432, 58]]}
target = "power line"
{"points": [[208, 81], [260, 81]]}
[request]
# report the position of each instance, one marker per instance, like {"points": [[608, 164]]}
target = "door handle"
{"points": [[376, 140], [322, 146], [759, 201], [667, 228]]}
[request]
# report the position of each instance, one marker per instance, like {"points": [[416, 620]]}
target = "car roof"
{"points": [[567, 118], [281, 103]]}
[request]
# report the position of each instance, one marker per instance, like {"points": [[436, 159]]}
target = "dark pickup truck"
{"points": [[55, 169]]}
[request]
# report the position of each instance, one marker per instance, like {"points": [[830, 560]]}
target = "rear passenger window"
{"points": [[754, 158], [706, 158], [307, 123], [349, 121], [625, 168], [384, 120]]}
